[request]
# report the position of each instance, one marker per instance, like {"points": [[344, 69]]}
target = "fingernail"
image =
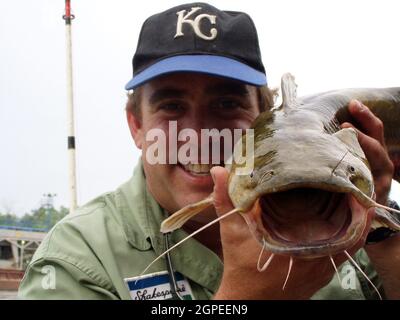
{"points": [[359, 105], [212, 174]]}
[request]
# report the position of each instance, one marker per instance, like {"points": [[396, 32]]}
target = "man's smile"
{"points": [[196, 174]]}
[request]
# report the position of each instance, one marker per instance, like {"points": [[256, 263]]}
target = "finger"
{"points": [[371, 147], [222, 202], [368, 122], [374, 151], [233, 228], [382, 167]]}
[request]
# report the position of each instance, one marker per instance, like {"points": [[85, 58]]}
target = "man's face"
{"points": [[194, 101]]}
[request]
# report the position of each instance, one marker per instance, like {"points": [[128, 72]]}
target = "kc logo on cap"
{"points": [[195, 23], [198, 38]]}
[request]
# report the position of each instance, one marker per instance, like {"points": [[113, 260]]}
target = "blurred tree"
{"points": [[8, 219], [42, 218]]}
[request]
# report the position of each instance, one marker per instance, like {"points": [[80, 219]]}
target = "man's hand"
{"points": [[385, 255], [242, 280], [371, 139]]}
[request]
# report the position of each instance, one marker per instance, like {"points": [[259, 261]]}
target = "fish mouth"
{"points": [[308, 222]]}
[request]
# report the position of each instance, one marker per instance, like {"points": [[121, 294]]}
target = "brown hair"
{"points": [[266, 97], [133, 103], [266, 100]]}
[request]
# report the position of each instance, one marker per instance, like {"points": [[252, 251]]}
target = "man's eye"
{"points": [[171, 107], [227, 104]]}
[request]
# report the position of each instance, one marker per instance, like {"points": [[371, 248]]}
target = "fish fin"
{"points": [[385, 219], [289, 90], [349, 137], [179, 218]]}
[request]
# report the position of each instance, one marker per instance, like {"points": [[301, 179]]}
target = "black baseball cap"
{"points": [[198, 37]]}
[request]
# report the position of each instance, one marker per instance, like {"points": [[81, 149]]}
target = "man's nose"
{"points": [[202, 118]]}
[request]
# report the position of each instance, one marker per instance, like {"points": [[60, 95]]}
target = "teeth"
{"points": [[199, 168]]}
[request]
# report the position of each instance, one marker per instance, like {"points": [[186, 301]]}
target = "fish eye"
{"points": [[352, 169], [252, 174]]}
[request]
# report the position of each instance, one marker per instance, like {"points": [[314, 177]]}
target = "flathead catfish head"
{"points": [[302, 183], [305, 194], [311, 186]]}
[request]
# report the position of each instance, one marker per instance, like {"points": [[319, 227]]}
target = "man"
{"points": [[198, 68]]}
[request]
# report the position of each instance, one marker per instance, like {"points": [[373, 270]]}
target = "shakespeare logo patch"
{"points": [[156, 286]]}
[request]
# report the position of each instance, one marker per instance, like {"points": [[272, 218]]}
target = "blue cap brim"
{"points": [[208, 64]]}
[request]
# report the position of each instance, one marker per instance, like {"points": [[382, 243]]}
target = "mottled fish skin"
{"points": [[383, 102], [301, 145]]}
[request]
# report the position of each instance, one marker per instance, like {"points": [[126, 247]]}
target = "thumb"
{"points": [[222, 202]]}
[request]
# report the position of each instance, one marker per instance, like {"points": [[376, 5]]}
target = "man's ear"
{"points": [[135, 126]]}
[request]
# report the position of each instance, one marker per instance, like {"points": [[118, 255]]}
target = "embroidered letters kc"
{"points": [[184, 17]]}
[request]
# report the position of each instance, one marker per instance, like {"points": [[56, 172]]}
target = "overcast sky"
{"points": [[325, 44]]}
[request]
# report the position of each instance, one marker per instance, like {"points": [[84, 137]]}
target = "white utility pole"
{"points": [[68, 17]]}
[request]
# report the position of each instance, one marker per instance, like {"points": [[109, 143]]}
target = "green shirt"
{"points": [[88, 255]]}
